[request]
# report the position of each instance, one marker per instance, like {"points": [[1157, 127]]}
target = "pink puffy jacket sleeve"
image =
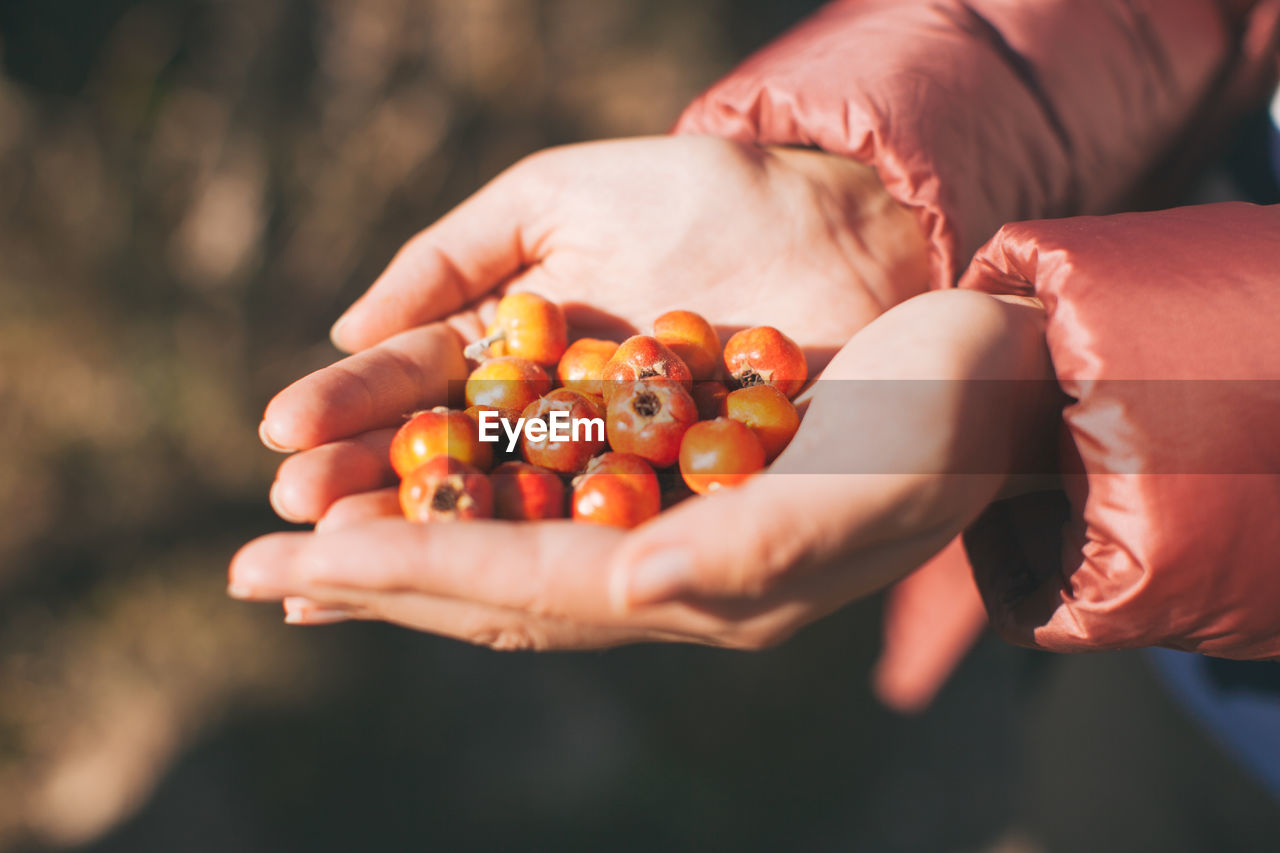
{"points": [[1162, 330], [981, 112]]}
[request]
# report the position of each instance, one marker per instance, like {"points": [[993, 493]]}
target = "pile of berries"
{"points": [[674, 415]]}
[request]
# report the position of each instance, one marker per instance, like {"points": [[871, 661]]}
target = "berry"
{"points": [[768, 413], [438, 432], [524, 492], [444, 489], [583, 421], [616, 489], [720, 453], [765, 355], [709, 396], [506, 383], [648, 418], [581, 367], [692, 338], [508, 419], [527, 326], [644, 357]]}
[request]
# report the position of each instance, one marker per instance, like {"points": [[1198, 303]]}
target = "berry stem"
{"points": [[476, 350]]}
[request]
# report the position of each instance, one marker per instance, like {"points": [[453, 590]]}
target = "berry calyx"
{"points": [[444, 489]]}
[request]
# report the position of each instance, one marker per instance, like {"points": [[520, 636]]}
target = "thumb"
{"points": [[467, 253], [735, 543]]}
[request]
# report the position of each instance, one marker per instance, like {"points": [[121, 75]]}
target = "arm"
{"points": [[1161, 328], [985, 112]]}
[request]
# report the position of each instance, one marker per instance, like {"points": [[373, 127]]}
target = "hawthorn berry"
{"points": [[616, 489], [524, 492], [765, 355], [444, 489], [691, 337], [719, 453], [508, 382], [648, 418], [527, 326], [768, 413], [643, 357], [438, 432], [581, 368], [583, 421]]}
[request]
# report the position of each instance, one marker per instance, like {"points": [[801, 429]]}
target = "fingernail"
{"points": [[256, 583], [274, 498], [270, 443], [335, 331], [316, 617], [656, 577]]}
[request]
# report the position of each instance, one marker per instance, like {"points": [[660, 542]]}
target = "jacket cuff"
{"points": [[1161, 328]]}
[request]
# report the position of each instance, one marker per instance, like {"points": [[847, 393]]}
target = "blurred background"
{"points": [[190, 193]]}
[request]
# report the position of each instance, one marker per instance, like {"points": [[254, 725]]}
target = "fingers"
{"points": [[931, 620], [685, 552], [367, 391], [354, 509], [549, 569], [471, 250], [308, 483]]}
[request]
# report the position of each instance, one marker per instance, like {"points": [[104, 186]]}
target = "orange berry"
{"points": [[616, 489], [438, 432], [717, 454], [506, 383], [581, 368], [768, 413], [691, 337]]}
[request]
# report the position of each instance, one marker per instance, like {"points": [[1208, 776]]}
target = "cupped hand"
{"points": [[906, 440], [617, 232]]}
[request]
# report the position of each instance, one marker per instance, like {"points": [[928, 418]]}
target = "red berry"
{"points": [[581, 419], [644, 357], [709, 395], [720, 453], [444, 489], [648, 418], [524, 492], [617, 489], [507, 420], [438, 432], [765, 355]]}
